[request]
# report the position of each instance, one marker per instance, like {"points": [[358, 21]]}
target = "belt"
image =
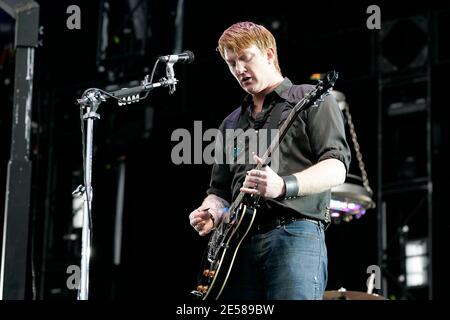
{"points": [[266, 224]]}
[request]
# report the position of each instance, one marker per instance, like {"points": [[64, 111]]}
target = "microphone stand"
{"points": [[90, 101], [95, 98]]}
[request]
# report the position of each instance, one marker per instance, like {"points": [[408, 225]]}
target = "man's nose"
{"points": [[240, 68]]}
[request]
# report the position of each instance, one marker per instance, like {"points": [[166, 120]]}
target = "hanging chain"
{"points": [[357, 149]]}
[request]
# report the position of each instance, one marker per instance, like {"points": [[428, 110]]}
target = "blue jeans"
{"points": [[286, 263]]}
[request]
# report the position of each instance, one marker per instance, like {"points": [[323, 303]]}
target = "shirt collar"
{"points": [[282, 90]]}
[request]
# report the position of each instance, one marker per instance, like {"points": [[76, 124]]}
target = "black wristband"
{"points": [[291, 186]]}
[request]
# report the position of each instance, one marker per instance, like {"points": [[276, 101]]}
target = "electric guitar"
{"points": [[226, 238]]}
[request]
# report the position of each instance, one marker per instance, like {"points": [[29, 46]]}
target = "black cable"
{"points": [[87, 91], [153, 71]]}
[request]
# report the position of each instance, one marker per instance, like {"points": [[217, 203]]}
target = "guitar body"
{"points": [[218, 262]]}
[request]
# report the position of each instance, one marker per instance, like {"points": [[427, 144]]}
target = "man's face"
{"points": [[251, 68]]}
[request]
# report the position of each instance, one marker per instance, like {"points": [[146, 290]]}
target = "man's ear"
{"points": [[271, 55]]}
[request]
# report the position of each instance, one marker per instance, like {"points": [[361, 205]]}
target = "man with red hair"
{"points": [[284, 256]]}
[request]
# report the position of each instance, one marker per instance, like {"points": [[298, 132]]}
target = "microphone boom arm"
{"points": [[124, 94]]}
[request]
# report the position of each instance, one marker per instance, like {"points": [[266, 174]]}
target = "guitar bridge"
{"points": [[197, 294]]}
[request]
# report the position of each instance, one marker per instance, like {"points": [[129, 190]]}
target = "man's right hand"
{"points": [[201, 220]]}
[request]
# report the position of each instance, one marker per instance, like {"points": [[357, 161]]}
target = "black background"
{"points": [[161, 252]]}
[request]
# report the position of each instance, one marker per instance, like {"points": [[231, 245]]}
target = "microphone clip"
{"points": [[171, 80]]}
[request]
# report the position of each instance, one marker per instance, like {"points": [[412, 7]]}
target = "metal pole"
{"points": [[430, 266], [119, 213], [90, 116], [15, 255], [381, 205]]}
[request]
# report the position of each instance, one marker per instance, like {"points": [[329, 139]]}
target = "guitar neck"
{"points": [[299, 107], [310, 99]]}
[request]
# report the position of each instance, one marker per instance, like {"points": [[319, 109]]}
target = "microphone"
{"points": [[184, 57]]}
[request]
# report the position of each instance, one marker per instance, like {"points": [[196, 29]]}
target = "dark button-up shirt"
{"points": [[317, 134]]}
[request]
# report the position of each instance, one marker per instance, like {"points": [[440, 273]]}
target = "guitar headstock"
{"points": [[330, 79], [324, 86]]}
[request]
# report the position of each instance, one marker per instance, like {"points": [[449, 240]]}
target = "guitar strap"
{"points": [[274, 119], [274, 116], [269, 121]]}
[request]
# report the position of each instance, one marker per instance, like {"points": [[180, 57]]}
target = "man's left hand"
{"points": [[265, 182]]}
